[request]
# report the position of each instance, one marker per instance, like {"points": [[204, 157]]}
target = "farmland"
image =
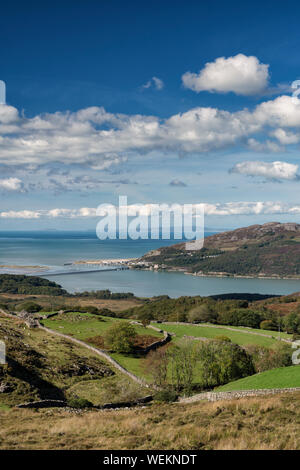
{"points": [[238, 335], [283, 377]]}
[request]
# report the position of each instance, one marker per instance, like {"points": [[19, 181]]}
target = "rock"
{"points": [[5, 388]]}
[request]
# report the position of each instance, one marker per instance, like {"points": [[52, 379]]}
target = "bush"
{"points": [[292, 323], [79, 403], [265, 358], [201, 313], [166, 396], [268, 325], [90, 309], [30, 307], [223, 338]]}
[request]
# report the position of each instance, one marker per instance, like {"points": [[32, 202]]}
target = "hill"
{"points": [[32, 285], [269, 422], [268, 250], [41, 366], [283, 377]]}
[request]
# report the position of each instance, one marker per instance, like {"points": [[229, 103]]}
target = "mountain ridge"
{"points": [[268, 250]]}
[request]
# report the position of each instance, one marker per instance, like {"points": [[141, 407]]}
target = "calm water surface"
{"points": [[56, 248]]}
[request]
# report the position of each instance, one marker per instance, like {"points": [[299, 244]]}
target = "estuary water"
{"points": [[55, 249]]}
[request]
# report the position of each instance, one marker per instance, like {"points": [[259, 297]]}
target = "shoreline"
{"points": [[222, 276]]}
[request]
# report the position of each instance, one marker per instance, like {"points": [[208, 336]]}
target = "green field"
{"points": [[239, 337], [284, 377], [86, 325]]}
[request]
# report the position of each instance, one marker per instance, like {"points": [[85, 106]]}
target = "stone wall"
{"points": [[43, 404], [216, 396], [158, 344], [99, 352], [63, 404]]}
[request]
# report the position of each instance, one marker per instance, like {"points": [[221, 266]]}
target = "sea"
{"points": [[55, 251]]}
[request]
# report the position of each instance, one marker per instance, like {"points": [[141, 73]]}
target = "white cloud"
{"points": [[273, 170], [98, 139], [159, 84], [155, 82], [51, 213], [241, 74], [285, 137], [266, 146], [216, 209], [24, 214], [177, 183], [11, 184]]}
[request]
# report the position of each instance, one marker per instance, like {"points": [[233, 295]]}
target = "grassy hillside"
{"points": [[85, 325], [42, 366], [272, 249], [284, 377], [242, 338], [91, 328], [269, 422]]}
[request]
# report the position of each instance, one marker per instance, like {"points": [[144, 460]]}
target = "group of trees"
{"points": [[234, 312], [105, 294], [211, 363], [208, 363], [30, 285]]}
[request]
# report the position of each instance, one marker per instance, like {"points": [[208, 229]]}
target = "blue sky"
{"points": [[165, 101]]}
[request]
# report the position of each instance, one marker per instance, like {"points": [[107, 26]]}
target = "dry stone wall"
{"points": [[217, 396]]}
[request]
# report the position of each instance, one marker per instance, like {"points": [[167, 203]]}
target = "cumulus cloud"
{"points": [[51, 213], [241, 74], [101, 140], [285, 137], [11, 184], [216, 209], [274, 170]]}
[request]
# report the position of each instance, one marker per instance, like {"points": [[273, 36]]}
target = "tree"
{"points": [[202, 313], [221, 362], [182, 365], [156, 363], [120, 337], [292, 323], [266, 358]]}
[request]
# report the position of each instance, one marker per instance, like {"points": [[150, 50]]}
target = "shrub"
{"points": [[223, 338], [79, 403], [89, 309], [265, 359], [30, 307], [202, 313], [268, 325], [166, 396], [292, 323]]}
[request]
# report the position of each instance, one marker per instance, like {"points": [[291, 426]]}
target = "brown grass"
{"points": [[270, 422], [44, 300]]}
